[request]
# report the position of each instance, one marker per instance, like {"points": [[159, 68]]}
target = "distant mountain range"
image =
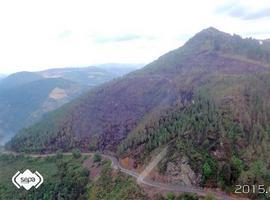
{"points": [[209, 99], [18, 79], [2, 76], [91, 76], [26, 96]]}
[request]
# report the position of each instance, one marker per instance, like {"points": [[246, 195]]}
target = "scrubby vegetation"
{"points": [[209, 100], [97, 157], [76, 153], [64, 178], [106, 115], [225, 141], [172, 196], [111, 186]]}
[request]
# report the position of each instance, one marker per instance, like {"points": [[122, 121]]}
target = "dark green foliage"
{"points": [[114, 187], [73, 180], [187, 197], [76, 153], [93, 145], [112, 111], [237, 165], [201, 118], [59, 154], [170, 196], [209, 100], [202, 129], [63, 178], [97, 157], [209, 168], [207, 171], [210, 197]]}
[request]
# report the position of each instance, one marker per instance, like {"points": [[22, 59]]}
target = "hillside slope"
{"points": [[18, 79], [23, 105], [26, 96], [209, 100], [90, 76], [113, 110]]}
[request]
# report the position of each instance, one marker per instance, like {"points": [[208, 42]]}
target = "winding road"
{"points": [[168, 187], [142, 180]]}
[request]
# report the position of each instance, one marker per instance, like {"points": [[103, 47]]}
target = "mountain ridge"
{"points": [[17, 112], [46, 90], [168, 79], [208, 101]]}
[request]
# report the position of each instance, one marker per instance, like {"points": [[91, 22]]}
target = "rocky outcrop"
{"points": [[181, 172]]}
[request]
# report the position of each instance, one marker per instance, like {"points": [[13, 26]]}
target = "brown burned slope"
{"points": [[111, 111]]}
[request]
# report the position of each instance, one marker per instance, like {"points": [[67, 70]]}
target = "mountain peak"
{"points": [[207, 40], [210, 33], [214, 40], [211, 30]]}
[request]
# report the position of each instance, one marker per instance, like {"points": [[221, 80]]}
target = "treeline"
{"points": [[65, 178], [54, 132], [221, 145], [231, 45], [112, 185], [201, 117]]}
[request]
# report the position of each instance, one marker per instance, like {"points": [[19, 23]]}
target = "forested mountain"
{"points": [[24, 104], [120, 69], [90, 76], [209, 98], [18, 79], [114, 109], [26, 96]]}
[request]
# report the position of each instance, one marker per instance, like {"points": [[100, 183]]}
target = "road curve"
{"points": [[163, 186]]}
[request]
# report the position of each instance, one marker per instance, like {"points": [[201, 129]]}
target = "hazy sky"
{"points": [[39, 34]]}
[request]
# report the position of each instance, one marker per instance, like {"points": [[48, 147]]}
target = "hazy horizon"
{"points": [[102, 65], [79, 34]]}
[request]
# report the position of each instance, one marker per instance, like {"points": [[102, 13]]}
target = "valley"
{"points": [[204, 106], [135, 100], [47, 90]]}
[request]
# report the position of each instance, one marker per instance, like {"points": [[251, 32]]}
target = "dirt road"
{"points": [[151, 165], [143, 180]]}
